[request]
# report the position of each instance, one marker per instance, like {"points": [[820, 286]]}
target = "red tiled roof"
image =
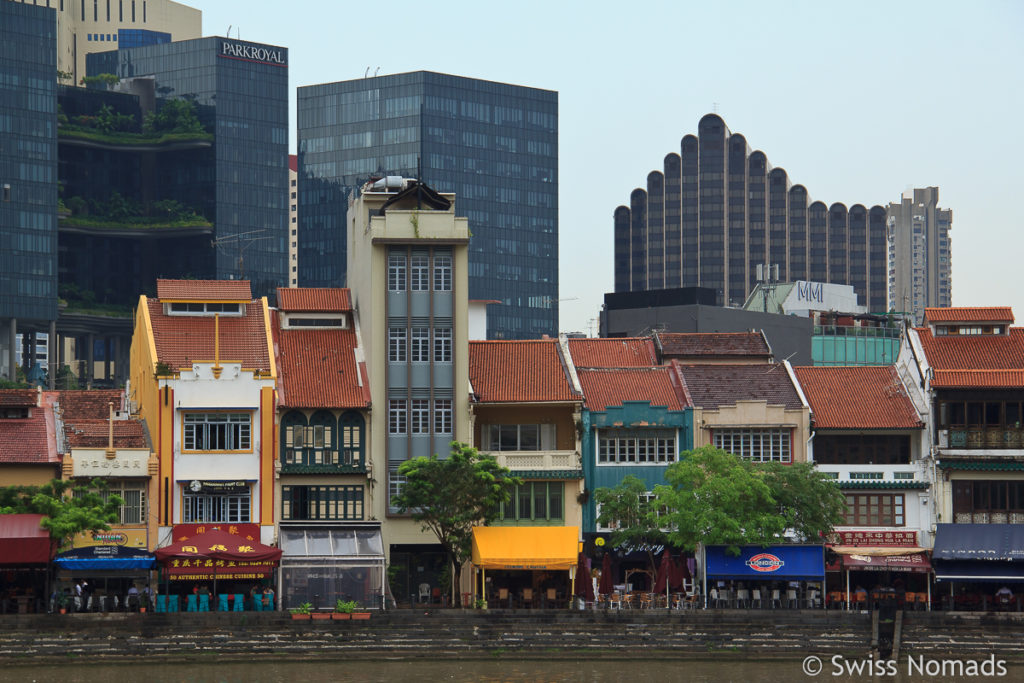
{"points": [[319, 370], [974, 352], [182, 339], [711, 386], [681, 345], [989, 379], [203, 290], [89, 405], [605, 387], [870, 397], [95, 434], [19, 398], [314, 299], [519, 371], [964, 314], [293, 162], [616, 352], [30, 440]]}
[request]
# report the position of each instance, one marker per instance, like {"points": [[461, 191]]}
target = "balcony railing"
{"points": [[322, 461], [986, 438], [538, 460], [988, 518]]}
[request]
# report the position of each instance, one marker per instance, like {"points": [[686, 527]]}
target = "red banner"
{"points": [[183, 532], [875, 538]]}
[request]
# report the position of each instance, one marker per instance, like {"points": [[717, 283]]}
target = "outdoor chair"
{"points": [[172, 603], [909, 600], [161, 603], [193, 603], [628, 601], [922, 600], [503, 597], [239, 605], [527, 597], [435, 596], [743, 598], [424, 593], [791, 600], [678, 601], [756, 597], [615, 601], [552, 597], [812, 599], [257, 603], [222, 602], [646, 600], [204, 602], [776, 600]]}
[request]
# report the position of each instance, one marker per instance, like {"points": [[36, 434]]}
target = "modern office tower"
{"points": [[407, 268], [920, 254], [28, 176], [293, 220], [494, 145], [717, 211], [88, 26]]}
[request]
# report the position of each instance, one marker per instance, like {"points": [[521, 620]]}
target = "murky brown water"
{"points": [[489, 671]]}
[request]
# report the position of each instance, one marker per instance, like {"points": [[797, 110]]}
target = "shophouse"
{"points": [[28, 443], [713, 347], [331, 540], [203, 378], [869, 437]]}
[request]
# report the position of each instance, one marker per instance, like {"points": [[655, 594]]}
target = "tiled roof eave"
{"points": [[861, 428], [1001, 465], [880, 485], [548, 474]]}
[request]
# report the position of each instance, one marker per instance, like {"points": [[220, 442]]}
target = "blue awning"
{"points": [[805, 562], [982, 542], [105, 557], [978, 571]]}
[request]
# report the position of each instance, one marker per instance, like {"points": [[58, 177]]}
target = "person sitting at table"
{"points": [[257, 597]]}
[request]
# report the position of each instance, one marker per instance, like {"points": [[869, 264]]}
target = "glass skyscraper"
{"points": [[718, 211], [28, 164], [494, 145]]}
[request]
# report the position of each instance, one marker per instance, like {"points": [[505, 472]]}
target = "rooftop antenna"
{"points": [[366, 73], [229, 30], [376, 72]]}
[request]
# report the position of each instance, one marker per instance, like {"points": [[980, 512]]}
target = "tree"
{"points": [[811, 503], [634, 517], [70, 508], [449, 496]]}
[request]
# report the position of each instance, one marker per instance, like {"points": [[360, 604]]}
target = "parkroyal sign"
{"points": [[252, 53]]}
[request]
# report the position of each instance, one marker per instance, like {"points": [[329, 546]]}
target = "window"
{"points": [[874, 509], [419, 280], [442, 273], [756, 445], [397, 416], [420, 416], [217, 432], [321, 502], [396, 344], [644, 503], [396, 272], [880, 449], [517, 437], [642, 447], [421, 345], [443, 416], [537, 501], [443, 345], [133, 511], [395, 483], [205, 507], [204, 308]]}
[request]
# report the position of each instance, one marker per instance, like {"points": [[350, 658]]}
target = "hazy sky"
{"points": [[857, 101]]}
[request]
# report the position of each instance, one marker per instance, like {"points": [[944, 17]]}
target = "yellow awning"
{"points": [[529, 547]]}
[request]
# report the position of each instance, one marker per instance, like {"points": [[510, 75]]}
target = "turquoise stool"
{"points": [[204, 603], [257, 602], [172, 603], [193, 600], [239, 602], [269, 607], [161, 603], [222, 602]]}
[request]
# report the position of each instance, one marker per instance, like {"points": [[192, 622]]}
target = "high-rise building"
{"points": [[718, 211], [920, 253], [28, 174], [89, 26], [495, 145], [293, 220]]}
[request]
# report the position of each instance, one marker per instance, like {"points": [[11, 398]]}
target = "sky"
{"points": [[859, 102]]}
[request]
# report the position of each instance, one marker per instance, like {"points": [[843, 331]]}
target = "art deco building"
{"points": [[920, 254], [718, 210]]}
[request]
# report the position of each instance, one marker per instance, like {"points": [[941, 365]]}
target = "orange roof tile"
{"points": [[682, 345], [314, 299], [519, 371], [974, 352], [990, 379], [711, 386], [19, 398], [182, 339], [29, 440], [203, 290], [95, 434], [319, 369], [89, 405], [606, 387], [869, 397], [964, 314], [615, 352]]}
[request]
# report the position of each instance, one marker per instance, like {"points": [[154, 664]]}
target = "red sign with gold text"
{"points": [[875, 538], [183, 532]]}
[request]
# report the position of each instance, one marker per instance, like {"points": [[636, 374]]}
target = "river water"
{"points": [[505, 670]]}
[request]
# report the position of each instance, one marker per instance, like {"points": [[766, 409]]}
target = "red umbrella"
{"points": [[584, 586], [606, 585], [675, 579], [663, 572]]}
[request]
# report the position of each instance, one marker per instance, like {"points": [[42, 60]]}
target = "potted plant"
{"points": [[301, 612], [62, 603], [343, 609], [480, 603]]}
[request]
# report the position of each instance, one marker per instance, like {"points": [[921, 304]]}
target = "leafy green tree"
{"points": [[70, 508], [811, 503], [173, 116], [449, 496], [635, 517]]}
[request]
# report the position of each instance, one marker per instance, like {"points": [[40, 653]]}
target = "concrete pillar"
{"points": [[53, 363], [108, 348], [12, 363], [90, 360]]}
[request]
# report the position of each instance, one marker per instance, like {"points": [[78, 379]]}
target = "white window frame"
{"points": [[443, 345], [197, 433], [420, 345], [396, 272], [442, 272], [216, 507], [419, 273], [443, 416], [756, 444], [419, 414], [397, 344], [397, 416], [637, 447]]}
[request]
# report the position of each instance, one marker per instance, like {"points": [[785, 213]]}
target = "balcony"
{"points": [[537, 460], [982, 438], [322, 461], [988, 517]]}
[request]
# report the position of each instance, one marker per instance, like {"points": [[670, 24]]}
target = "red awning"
{"points": [[23, 541], [219, 553], [911, 562]]}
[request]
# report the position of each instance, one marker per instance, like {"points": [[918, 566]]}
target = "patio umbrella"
{"points": [[607, 584], [675, 577], [584, 586], [664, 571]]}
